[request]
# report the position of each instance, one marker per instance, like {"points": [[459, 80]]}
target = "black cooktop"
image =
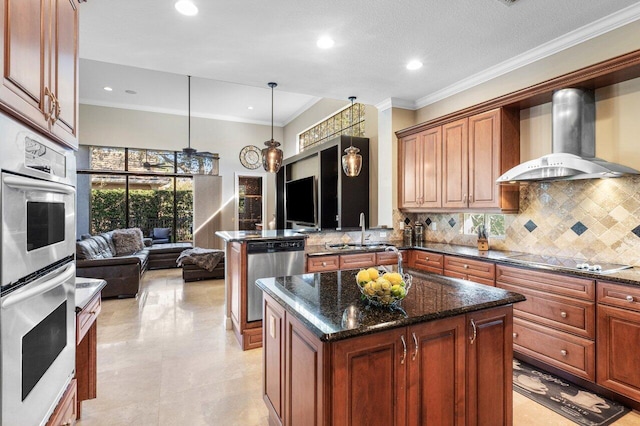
{"points": [[571, 264]]}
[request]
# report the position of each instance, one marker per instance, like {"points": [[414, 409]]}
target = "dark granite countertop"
{"points": [[628, 276], [259, 235], [329, 303], [86, 288]]}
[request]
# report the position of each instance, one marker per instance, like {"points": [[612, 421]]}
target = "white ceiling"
{"points": [[234, 48]]}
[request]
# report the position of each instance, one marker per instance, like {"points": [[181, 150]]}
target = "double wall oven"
{"points": [[37, 288]]}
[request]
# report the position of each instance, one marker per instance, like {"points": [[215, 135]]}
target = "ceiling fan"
{"points": [[188, 151]]}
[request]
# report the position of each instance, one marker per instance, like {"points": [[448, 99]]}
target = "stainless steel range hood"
{"points": [[573, 145]]}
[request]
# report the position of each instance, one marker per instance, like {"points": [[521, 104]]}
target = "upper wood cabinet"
{"points": [[420, 174], [455, 166], [40, 65]]}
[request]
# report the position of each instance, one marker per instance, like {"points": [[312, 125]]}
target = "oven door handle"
{"points": [[17, 182], [12, 299]]}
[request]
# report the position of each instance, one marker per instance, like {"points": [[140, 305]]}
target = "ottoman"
{"points": [[191, 272], [162, 256]]}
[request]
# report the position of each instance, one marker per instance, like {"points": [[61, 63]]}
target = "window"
{"points": [[336, 125], [494, 224]]}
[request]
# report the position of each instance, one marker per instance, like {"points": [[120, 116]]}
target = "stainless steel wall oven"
{"points": [[37, 287]]}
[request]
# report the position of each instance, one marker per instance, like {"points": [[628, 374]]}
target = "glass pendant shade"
{"points": [[352, 162], [272, 156]]}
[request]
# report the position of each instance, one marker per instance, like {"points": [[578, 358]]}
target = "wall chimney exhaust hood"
{"points": [[573, 145]]}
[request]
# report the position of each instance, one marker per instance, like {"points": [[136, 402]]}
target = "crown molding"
{"points": [[395, 103], [573, 38]]}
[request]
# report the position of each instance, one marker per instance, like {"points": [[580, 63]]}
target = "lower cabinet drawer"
{"points": [[566, 314], [353, 261], [565, 351], [65, 413], [86, 317], [470, 267], [389, 258], [426, 261], [323, 263]]}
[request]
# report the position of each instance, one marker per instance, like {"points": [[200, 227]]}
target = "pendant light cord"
{"points": [[272, 112]]}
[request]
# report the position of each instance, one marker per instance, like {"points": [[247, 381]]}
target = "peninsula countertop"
{"points": [[86, 289], [266, 235], [329, 303]]}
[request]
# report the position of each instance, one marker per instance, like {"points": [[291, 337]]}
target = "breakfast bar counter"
{"points": [[443, 356]]}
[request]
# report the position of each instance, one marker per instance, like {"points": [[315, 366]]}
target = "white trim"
{"points": [[395, 103], [178, 112], [566, 41]]}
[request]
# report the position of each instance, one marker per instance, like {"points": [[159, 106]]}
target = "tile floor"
{"points": [[166, 359]]}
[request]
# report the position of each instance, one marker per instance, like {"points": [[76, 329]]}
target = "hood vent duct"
{"points": [[573, 144]]}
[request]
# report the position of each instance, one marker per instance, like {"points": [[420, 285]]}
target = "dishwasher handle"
{"points": [[257, 247]]}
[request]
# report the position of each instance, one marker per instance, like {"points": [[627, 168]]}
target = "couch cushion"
{"points": [[127, 241]]}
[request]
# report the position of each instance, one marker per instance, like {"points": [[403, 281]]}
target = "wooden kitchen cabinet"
{"points": [[421, 374], [618, 338], [40, 65], [470, 269], [390, 258], [249, 334], [489, 361], [426, 261], [323, 263], [86, 352], [355, 261], [455, 166], [420, 174], [556, 324], [65, 412], [346, 261]]}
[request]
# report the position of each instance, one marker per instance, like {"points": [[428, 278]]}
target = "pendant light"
{"points": [[272, 155], [352, 161]]}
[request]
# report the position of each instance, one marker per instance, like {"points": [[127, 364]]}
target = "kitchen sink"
{"points": [[354, 246]]}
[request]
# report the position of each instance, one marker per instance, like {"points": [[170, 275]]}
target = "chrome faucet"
{"points": [[362, 227], [397, 252]]}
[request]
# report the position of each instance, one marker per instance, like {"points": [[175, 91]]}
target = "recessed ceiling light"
{"points": [[250, 107], [325, 42], [414, 65], [186, 7], [108, 89], [131, 92]]}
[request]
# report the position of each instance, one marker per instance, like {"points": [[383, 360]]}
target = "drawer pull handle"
{"points": [[466, 266], [563, 352], [404, 349], [324, 263], [415, 345], [515, 335], [629, 298], [563, 314], [474, 334]]}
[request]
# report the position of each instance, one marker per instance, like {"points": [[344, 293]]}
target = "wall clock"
{"points": [[251, 157]]}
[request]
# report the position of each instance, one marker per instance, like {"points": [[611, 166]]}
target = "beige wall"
{"points": [[103, 126]]}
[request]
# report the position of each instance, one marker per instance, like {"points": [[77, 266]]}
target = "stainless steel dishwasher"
{"points": [[270, 259]]}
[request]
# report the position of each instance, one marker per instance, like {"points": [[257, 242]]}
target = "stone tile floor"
{"points": [[166, 359]]}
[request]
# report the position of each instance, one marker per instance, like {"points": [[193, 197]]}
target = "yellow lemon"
{"points": [[394, 277], [384, 284], [373, 273], [376, 285], [363, 277]]}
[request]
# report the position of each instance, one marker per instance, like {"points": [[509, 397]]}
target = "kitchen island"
{"points": [[444, 356]]}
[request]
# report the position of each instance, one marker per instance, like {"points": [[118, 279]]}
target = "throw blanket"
{"points": [[204, 258]]}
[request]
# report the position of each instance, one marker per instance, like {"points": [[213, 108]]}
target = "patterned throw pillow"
{"points": [[127, 241]]}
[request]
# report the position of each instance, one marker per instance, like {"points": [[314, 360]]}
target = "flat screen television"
{"points": [[300, 201]]}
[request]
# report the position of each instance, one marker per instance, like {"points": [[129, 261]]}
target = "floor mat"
{"points": [[573, 402]]}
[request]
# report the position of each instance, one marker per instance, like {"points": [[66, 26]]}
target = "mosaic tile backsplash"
{"points": [[595, 220]]}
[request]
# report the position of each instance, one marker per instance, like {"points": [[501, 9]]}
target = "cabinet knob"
{"points": [[563, 314], [324, 263], [563, 352], [465, 266], [426, 258], [629, 298], [515, 335]]}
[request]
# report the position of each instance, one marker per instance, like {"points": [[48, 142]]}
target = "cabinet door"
{"points": [[489, 367], [306, 376], [431, 164], [23, 57], [354, 261], [455, 168], [273, 356], [235, 267], [617, 350], [64, 69], [410, 172], [484, 159], [436, 373], [369, 379], [473, 270], [323, 263], [426, 261]]}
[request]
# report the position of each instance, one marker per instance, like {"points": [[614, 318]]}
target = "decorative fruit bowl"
{"points": [[383, 288]]}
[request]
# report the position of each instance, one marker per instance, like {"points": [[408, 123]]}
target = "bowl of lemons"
{"points": [[383, 288]]}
